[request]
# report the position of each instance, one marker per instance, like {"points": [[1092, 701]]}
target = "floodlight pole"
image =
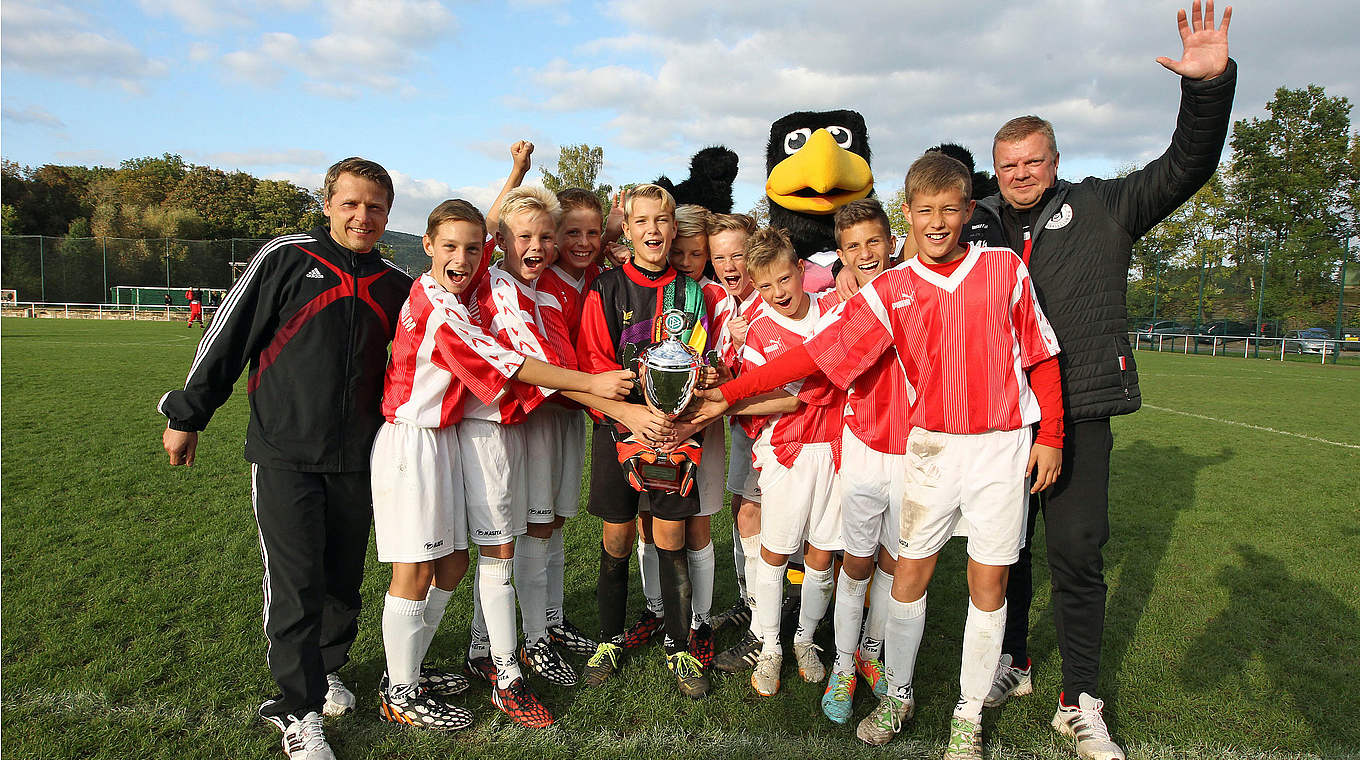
{"points": [[1261, 301], [42, 269], [1156, 286], [167, 263], [106, 265], [1341, 298]]}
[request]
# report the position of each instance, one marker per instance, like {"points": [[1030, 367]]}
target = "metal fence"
{"points": [[84, 270], [41, 310], [1326, 350]]}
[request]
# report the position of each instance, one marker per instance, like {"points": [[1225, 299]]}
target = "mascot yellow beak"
{"points": [[820, 178]]}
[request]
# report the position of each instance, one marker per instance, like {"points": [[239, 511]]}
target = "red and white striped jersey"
{"points": [[877, 411], [509, 309], [569, 292], [964, 340], [442, 361], [726, 347], [818, 419]]}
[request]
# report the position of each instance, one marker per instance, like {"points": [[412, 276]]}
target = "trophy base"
{"points": [[650, 470]]}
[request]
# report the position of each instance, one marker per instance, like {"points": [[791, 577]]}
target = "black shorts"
{"points": [[613, 500]]}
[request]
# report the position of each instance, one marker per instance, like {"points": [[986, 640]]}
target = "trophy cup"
{"points": [[668, 372]]}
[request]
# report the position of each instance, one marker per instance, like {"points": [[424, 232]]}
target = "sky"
{"points": [[437, 91]]}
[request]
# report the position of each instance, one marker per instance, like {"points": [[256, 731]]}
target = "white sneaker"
{"points": [[1086, 724], [1008, 682], [765, 677], [304, 739], [810, 666], [339, 699]]}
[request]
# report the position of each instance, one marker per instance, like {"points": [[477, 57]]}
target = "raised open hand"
{"points": [[1206, 48]]}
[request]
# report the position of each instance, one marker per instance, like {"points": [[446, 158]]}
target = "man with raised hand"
{"points": [[1077, 239], [312, 315]]}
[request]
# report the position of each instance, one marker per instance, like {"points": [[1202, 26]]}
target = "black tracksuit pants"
{"points": [[313, 537], [1077, 525]]}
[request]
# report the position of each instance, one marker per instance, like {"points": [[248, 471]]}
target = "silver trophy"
{"points": [[668, 372]]}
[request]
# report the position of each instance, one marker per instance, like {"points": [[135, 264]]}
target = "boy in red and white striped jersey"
{"points": [[442, 363], [980, 361], [797, 453]]}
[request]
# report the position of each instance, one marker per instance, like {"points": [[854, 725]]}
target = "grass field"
{"points": [[131, 608]]}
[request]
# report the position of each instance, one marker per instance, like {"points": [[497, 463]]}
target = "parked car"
{"points": [[1223, 329], [1166, 327], [1310, 341], [1350, 339]]}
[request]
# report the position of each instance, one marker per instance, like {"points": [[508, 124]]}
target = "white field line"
{"points": [[1253, 427]]}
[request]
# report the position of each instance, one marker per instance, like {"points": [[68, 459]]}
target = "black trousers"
{"points": [[1077, 525], [313, 537]]}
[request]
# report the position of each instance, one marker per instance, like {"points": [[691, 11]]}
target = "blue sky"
{"points": [[437, 91]]}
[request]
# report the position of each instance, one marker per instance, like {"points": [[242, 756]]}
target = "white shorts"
{"points": [[418, 505], [495, 480], [743, 479], [802, 502], [709, 480], [554, 439], [871, 497], [979, 478]]}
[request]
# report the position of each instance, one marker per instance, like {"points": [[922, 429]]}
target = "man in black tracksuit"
{"points": [[1077, 240], [313, 315]]}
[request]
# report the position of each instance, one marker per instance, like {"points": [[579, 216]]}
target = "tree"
{"points": [[148, 181], [279, 207], [223, 201], [1288, 183], [897, 220], [579, 166], [761, 211]]}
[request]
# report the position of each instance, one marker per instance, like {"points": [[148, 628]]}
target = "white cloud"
{"points": [[699, 73], [57, 41], [370, 43], [199, 16], [33, 115]]}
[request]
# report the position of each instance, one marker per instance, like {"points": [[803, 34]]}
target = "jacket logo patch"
{"points": [[315, 274], [1060, 219]]}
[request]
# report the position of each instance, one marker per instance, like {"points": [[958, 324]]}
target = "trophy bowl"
{"points": [[669, 371]]}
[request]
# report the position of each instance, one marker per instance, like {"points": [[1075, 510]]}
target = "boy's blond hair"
{"points": [[718, 223], [767, 247], [574, 198], [529, 198], [359, 167], [935, 172], [862, 210], [691, 220], [654, 192], [1021, 127], [454, 210]]}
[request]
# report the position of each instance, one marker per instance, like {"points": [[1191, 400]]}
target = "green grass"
{"points": [[132, 590]]}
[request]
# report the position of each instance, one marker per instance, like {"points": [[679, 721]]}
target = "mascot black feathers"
{"points": [[984, 184], [816, 162], [711, 173]]}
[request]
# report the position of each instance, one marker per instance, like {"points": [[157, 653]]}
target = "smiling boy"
{"points": [[625, 312]]}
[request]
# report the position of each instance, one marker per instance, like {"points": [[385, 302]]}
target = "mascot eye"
{"points": [[795, 140], [841, 135]]}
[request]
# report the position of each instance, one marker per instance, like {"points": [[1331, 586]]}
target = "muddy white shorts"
{"points": [[871, 497], [743, 479], [798, 503], [979, 478], [495, 480], [418, 503]]}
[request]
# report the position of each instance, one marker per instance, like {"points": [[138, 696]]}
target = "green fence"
{"points": [[84, 270]]}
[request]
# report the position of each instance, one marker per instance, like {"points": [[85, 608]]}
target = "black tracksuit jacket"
{"points": [[313, 320], [1080, 253]]}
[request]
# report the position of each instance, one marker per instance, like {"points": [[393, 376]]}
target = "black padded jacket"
{"points": [[1079, 258], [313, 320]]}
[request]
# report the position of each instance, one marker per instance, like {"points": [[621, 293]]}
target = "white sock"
{"points": [[768, 588], [739, 560], [880, 609], [649, 566], [435, 603], [557, 566], [531, 585], [751, 548], [849, 612], [479, 643], [403, 622], [817, 588], [701, 570], [906, 626], [498, 606], [981, 652]]}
